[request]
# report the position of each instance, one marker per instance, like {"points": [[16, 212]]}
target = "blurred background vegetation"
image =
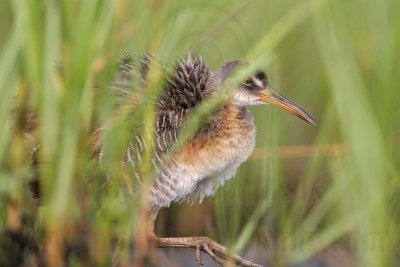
{"points": [[329, 193]]}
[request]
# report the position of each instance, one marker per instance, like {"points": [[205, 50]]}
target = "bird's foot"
{"points": [[216, 251]]}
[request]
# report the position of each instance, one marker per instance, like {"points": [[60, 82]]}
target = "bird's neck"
{"points": [[227, 138], [228, 120]]}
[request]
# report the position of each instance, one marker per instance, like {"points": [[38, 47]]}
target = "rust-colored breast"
{"points": [[228, 135]]}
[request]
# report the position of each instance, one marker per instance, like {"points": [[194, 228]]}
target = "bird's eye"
{"points": [[248, 82]]}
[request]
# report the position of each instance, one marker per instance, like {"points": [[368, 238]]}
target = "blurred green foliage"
{"points": [[305, 189]]}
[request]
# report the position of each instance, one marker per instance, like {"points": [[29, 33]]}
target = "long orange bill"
{"points": [[270, 96]]}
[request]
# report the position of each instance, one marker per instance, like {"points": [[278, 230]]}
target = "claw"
{"points": [[215, 257], [217, 252], [198, 254]]}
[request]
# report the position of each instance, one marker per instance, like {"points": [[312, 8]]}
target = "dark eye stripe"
{"points": [[261, 75]]}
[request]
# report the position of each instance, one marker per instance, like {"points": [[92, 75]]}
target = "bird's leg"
{"points": [[216, 251]]}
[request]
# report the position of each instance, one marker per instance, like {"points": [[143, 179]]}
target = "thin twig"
{"points": [[300, 151]]}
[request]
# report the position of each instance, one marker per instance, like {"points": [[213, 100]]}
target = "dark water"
{"points": [[186, 258]]}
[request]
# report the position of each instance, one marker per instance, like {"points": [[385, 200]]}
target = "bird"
{"points": [[196, 168], [212, 155]]}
